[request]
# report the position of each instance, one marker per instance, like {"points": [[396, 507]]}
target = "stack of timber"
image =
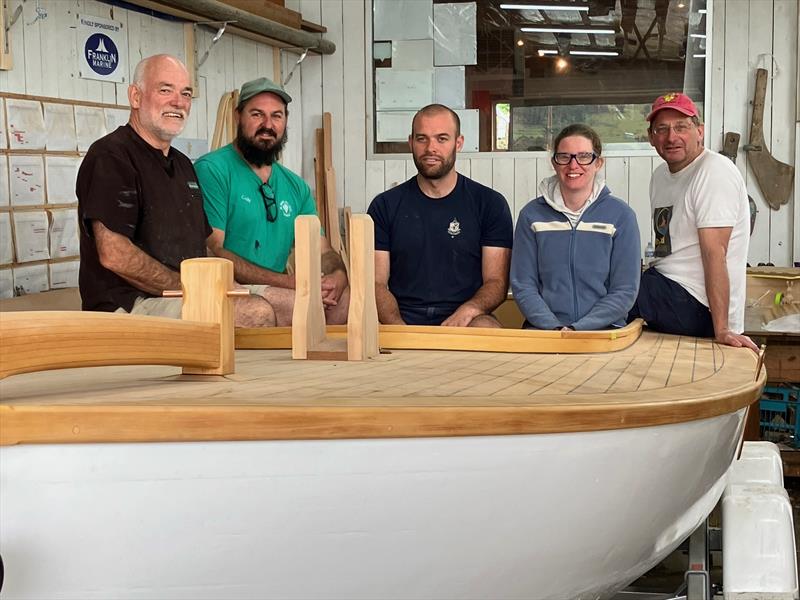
{"points": [[225, 125]]}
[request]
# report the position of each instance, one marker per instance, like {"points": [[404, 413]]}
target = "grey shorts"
{"points": [[171, 307]]}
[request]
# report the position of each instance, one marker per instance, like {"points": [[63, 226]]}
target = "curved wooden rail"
{"points": [[659, 380], [43, 340], [411, 337]]}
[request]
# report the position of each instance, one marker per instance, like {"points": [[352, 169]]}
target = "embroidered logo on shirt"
{"points": [[455, 228], [193, 185], [286, 208], [245, 198]]}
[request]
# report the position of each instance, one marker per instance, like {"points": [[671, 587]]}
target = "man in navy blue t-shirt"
{"points": [[442, 241]]}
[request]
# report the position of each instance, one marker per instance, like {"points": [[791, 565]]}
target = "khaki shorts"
{"points": [[171, 307]]}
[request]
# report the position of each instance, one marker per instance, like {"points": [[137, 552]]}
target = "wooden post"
{"points": [[206, 282], [362, 318], [308, 317]]}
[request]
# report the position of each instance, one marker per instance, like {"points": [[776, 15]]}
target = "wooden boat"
{"points": [[415, 474]]}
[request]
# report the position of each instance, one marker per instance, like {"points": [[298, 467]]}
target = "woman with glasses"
{"points": [[576, 257]]}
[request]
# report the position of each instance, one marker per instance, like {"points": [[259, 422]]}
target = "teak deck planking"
{"points": [[659, 379]]}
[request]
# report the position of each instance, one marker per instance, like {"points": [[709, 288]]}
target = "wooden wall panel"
{"points": [[482, 170], [784, 90], [310, 74], [503, 181], [639, 195], [333, 93], [394, 173], [353, 52]]}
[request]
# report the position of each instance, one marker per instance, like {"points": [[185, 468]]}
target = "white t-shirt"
{"points": [[709, 192]]}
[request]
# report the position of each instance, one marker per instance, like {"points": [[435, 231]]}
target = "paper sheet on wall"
{"points": [[402, 19], [3, 137], [6, 240], [412, 55], [115, 117], [64, 274], [90, 124], [30, 235], [393, 126], [6, 283], [26, 130], [64, 233], [469, 129], [26, 175], [31, 279], [455, 34], [449, 87], [5, 192], [59, 121], [62, 173], [403, 90]]}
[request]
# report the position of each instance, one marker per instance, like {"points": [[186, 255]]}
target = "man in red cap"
{"points": [[696, 285]]}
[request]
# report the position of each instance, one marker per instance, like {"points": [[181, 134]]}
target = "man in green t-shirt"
{"points": [[251, 202]]}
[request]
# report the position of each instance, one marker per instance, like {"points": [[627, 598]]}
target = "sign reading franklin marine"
{"points": [[102, 49]]}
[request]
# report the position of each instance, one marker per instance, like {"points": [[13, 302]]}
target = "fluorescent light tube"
{"points": [[592, 53], [566, 30], [544, 7]]}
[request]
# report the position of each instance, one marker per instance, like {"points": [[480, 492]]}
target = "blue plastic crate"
{"points": [[779, 419]]}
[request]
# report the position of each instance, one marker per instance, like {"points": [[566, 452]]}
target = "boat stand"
{"points": [[696, 580]]}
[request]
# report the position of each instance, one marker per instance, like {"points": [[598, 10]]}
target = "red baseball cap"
{"points": [[676, 101]]}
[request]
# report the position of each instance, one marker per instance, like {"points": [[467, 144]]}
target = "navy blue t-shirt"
{"points": [[435, 243]]}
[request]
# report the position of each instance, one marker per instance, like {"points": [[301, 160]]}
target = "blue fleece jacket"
{"points": [[586, 276]]}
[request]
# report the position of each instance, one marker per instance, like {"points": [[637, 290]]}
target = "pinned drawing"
{"points": [[26, 174], [26, 129]]}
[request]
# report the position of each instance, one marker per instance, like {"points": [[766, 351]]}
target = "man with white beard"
{"points": [[140, 206]]}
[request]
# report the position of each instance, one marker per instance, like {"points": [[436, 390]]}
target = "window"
{"points": [[518, 72]]}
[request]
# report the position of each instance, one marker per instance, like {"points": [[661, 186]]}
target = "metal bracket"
{"points": [[297, 64], [220, 32]]}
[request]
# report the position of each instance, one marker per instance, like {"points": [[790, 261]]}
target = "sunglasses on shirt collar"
{"points": [[270, 205]]}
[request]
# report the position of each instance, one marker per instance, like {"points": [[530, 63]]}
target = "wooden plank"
{"points": [[206, 283], [394, 172], [375, 179], [333, 73], [308, 316], [6, 51], [639, 196], [43, 340], [268, 10], [353, 119], [362, 317], [319, 181], [462, 338], [190, 52], [482, 171], [784, 91], [332, 206], [31, 44], [715, 87], [525, 184], [503, 180]]}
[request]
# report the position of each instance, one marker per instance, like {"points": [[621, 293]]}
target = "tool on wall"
{"points": [[730, 148], [774, 177]]}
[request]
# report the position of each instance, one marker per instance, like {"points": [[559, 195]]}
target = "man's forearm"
{"points": [[248, 273], [388, 309], [715, 272], [489, 296]]}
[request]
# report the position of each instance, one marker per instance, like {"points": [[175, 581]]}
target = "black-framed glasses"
{"points": [[582, 158], [270, 205]]}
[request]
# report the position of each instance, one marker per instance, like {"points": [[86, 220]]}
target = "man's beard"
{"points": [[436, 171], [258, 152]]}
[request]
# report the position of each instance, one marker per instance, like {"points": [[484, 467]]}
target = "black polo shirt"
{"points": [[152, 199]]}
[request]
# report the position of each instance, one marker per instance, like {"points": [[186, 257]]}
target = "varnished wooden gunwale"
{"points": [[657, 381], [410, 337]]}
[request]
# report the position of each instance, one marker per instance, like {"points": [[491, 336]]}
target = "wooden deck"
{"points": [[659, 379]]}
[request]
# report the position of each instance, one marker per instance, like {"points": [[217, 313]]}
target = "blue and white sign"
{"points": [[102, 49]]}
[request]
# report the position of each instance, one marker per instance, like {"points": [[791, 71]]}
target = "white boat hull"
{"points": [[570, 515]]}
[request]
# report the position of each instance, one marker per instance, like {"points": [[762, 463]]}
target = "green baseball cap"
{"points": [[259, 86]]}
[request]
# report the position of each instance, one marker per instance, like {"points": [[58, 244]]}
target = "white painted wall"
{"points": [[747, 34], [46, 62]]}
